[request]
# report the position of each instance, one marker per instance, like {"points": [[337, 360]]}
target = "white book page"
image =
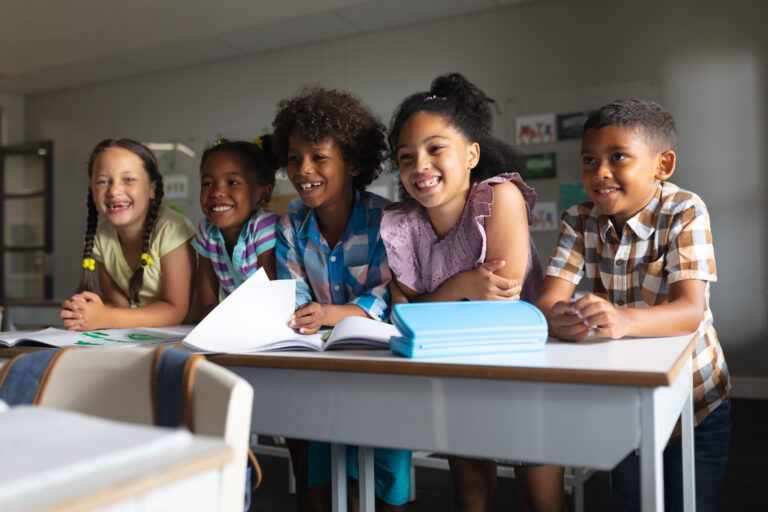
{"points": [[100, 338], [361, 331], [252, 318]]}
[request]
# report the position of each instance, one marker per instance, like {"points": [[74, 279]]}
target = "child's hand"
{"points": [[482, 284], [601, 316], [71, 317], [307, 318], [83, 312], [564, 322]]}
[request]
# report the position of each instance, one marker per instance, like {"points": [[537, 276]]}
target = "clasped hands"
{"points": [[82, 312], [575, 320]]}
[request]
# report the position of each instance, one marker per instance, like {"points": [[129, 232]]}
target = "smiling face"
{"points": [[435, 161], [121, 187], [229, 193], [620, 170], [319, 173]]}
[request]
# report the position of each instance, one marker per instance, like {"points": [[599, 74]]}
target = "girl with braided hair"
{"points": [[462, 234], [145, 261]]}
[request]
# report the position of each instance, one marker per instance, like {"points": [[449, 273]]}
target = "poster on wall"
{"points": [[535, 129], [569, 126], [545, 216], [571, 193], [540, 165]]}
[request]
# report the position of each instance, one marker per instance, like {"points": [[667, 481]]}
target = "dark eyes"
{"points": [[590, 160]]}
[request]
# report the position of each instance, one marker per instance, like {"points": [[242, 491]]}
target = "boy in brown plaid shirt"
{"points": [[645, 248]]}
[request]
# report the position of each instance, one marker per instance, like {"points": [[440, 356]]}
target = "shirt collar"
{"points": [[357, 223], [643, 223]]}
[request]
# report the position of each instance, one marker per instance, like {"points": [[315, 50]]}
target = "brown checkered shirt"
{"points": [[668, 241]]}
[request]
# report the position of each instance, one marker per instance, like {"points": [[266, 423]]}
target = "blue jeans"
{"points": [[710, 439]]}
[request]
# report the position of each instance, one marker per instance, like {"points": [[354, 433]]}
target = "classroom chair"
{"points": [[115, 383]]}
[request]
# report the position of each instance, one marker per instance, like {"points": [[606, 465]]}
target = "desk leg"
{"points": [[366, 482], [339, 477], [689, 471], [651, 457]]}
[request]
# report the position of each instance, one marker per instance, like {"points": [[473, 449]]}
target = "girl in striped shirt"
{"points": [[237, 236]]}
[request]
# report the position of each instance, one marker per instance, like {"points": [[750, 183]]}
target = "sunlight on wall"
{"points": [[717, 99]]}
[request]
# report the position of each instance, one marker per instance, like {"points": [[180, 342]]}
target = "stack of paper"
{"points": [[471, 328]]}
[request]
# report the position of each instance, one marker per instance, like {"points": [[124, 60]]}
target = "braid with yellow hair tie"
{"points": [[89, 264], [145, 260]]}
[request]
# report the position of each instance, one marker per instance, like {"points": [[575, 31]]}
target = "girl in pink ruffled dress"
{"points": [[461, 233]]}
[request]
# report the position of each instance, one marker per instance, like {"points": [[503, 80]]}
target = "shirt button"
{"points": [[620, 263], [336, 287], [333, 258], [620, 302]]}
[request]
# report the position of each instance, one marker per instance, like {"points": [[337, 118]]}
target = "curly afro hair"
{"points": [[316, 113]]}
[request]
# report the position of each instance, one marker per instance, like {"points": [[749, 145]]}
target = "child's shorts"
{"points": [[391, 469]]}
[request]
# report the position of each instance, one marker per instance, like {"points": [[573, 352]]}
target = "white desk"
{"points": [[62, 461], [587, 404]]}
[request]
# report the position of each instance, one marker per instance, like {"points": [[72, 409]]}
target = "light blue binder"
{"points": [[464, 328]]}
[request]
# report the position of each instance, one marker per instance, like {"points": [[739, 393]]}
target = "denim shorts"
{"points": [[710, 438], [391, 470]]}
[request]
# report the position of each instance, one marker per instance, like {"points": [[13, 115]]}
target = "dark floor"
{"points": [[745, 479]]}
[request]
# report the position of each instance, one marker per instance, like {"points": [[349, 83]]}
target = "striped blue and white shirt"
{"points": [[256, 236]]}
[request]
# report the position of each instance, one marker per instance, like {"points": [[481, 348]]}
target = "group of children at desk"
{"points": [[459, 233]]}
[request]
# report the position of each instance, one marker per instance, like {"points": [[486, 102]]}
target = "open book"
{"points": [[254, 318], [53, 337]]}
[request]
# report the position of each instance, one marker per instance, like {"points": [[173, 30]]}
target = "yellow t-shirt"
{"points": [[171, 230]]}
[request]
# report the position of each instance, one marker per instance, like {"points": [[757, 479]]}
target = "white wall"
{"points": [[11, 119], [706, 59]]}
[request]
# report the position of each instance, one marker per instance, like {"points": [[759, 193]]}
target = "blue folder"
{"points": [[467, 328]]}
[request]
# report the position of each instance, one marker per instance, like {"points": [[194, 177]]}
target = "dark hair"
{"points": [[468, 109], [256, 156], [150, 165], [658, 125], [316, 113]]}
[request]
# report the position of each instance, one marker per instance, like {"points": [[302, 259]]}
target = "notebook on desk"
{"points": [[467, 328]]}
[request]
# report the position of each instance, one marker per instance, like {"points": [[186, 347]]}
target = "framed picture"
{"points": [[535, 129], [569, 126], [540, 165], [545, 216], [572, 193]]}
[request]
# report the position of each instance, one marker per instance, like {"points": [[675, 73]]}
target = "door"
{"points": [[26, 226]]}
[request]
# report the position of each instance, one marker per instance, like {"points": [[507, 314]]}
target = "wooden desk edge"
{"points": [[148, 481], [413, 367], [470, 371]]}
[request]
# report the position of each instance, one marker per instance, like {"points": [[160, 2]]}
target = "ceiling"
{"points": [[48, 45]]}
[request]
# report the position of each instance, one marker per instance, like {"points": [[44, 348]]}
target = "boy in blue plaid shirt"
{"points": [[332, 146]]}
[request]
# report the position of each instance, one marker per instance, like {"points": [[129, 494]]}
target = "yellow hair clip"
{"points": [[217, 143], [89, 264], [258, 142], [145, 260]]}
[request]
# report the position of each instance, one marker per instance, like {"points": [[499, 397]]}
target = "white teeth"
{"points": [[117, 206], [221, 208], [428, 183], [605, 190], [307, 186]]}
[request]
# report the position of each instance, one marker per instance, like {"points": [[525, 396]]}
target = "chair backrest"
{"points": [[115, 383]]}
